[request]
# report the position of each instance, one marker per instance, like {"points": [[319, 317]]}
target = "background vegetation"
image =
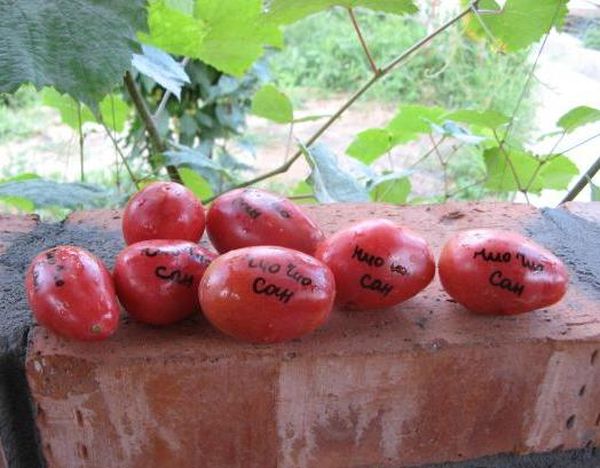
{"points": [[194, 71]]}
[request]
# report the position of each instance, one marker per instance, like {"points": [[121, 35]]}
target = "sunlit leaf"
{"points": [[270, 103], [45, 193], [578, 117], [370, 144], [393, 189], [196, 183], [486, 119]]}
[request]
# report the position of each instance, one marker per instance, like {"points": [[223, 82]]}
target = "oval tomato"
{"points": [[377, 264], [157, 280], [267, 294], [70, 291], [248, 217], [163, 210], [500, 272]]}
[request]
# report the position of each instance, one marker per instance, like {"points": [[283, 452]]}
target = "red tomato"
{"points": [[500, 272], [163, 210], [71, 292], [267, 294], [377, 264], [157, 280], [247, 217]]}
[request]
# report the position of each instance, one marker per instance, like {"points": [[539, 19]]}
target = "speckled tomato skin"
{"points": [[500, 272], [238, 296], [377, 264], [250, 217], [157, 280], [71, 292], [163, 210]]}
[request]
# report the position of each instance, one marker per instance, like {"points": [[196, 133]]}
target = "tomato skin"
{"points": [[377, 264], [267, 294], [249, 217], [71, 292], [163, 210], [500, 272], [157, 280]]}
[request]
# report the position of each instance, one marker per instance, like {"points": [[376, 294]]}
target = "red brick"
{"points": [[420, 383]]}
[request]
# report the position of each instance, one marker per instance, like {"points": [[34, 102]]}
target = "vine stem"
{"points": [[167, 95], [363, 43], [352, 99], [158, 144], [120, 153], [81, 143], [583, 181]]}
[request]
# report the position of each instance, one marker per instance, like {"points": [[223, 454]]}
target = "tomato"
{"points": [[163, 210], [267, 294], [377, 264], [157, 280], [71, 292], [500, 272], [247, 217]]}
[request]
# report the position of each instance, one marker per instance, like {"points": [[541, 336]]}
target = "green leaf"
{"points": [[557, 172], [45, 193], [20, 203], [19, 177], [595, 191], [486, 119], [370, 144], [303, 189], [230, 35], [501, 177], [198, 161], [451, 129], [289, 11], [196, 183], [578, 117], [162, 68], [534, 174], [113, 109], [394, 190], [173, 27], [272, 104], [413, 120], [81, 47], [332, 183], [519, 24]]}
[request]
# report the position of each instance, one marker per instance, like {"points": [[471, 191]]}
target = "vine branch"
{"points": [[158, 145], [583, 181], [362, 90], [363, 43]]}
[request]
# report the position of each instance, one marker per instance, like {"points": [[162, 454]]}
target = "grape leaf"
{"points": [[227, 34], [391, 189], [370, 144], [557, 172], [272, 104], [113, 110], [195, 182], [502, 178], [198, 161], [578, 117], [289, 11], [45, 193], [22, 204], [486, 119], [162, 68], [173, 27], [519, 23], [331, 183], [81, 47], [413, 120]]}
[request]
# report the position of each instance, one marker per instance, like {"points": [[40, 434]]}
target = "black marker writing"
{"points": [[529, 264], [367, 258], [176, 276], [503, 257], [260, 286], [374, 284], [498, 280], [292, 272]]}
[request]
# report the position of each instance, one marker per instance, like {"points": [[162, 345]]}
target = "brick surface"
{"points": [[421, 383]]}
